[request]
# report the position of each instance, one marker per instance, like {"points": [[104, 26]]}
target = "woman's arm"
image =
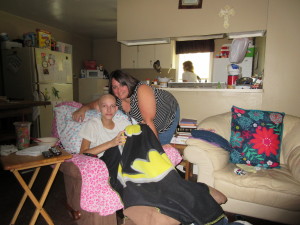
{"points": [[79, 114], [120, 139], [147, 106]]}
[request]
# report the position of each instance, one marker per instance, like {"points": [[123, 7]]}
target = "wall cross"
{"points": [[226, 13]]}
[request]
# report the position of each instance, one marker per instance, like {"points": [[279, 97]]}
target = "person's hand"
{"points": [[120, 139], [217, 195], [79, 114]]}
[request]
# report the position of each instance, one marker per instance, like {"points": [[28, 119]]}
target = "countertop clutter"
{"points": [[6, 105], [13, 108]]}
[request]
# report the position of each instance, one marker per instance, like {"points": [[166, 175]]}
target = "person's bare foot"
{"points": [[217, 195]]}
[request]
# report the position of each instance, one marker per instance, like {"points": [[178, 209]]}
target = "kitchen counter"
{"points": [[214, 90], [14, 108], [21, 104], [200, 103]]}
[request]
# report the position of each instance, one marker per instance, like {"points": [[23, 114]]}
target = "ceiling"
{"points": [[92, 18]]}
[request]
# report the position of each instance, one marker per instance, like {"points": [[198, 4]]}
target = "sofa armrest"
{"points": [[207, 157], [293, 163]]}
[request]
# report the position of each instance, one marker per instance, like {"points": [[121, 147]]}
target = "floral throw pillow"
{"points": [[256, 137]]}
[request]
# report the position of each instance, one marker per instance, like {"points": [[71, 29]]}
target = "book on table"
{"points": [[188, 126], [182, 133], [181, 138], [185, 129], [187, 121]]}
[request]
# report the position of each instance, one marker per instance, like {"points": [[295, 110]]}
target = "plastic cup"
{"points": [[23, 134]]}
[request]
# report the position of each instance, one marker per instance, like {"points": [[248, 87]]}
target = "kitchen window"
{"points": [[201, 62], [200, 53]]}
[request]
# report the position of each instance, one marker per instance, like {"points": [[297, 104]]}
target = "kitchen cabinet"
{"points": [[129, 56], [144, 56], [166, 54]]}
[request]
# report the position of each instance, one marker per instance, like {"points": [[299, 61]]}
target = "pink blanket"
{"points": [[96, 192]]}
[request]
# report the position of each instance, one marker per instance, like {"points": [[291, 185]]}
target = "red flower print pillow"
{"points": [[256, 137]]}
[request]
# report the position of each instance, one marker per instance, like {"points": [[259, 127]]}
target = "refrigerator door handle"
{"points": [[39, 96]]}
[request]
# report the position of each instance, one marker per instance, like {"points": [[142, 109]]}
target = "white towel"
{"points": [[7, 149], [33, 151]]}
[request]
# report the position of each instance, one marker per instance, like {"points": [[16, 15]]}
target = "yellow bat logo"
{"points": [[133, 130], [152, 170]]}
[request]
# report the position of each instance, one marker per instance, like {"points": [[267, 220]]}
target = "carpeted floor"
{"points": [[11, 193]]}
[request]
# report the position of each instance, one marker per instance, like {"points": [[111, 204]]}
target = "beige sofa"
{"points": [[272, 194]]}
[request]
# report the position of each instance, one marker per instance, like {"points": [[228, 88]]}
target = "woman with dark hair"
{"points": [[153, 106]]}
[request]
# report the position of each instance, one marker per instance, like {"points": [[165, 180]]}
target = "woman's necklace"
{"points": [[126, 108], [126, 105]]}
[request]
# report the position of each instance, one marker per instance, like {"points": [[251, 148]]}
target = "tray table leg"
{"points": [[31, 182], [45, 193], [39, 207]]}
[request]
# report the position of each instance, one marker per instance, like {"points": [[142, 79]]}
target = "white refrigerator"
{"points": [[38, 74], [219, 72]]}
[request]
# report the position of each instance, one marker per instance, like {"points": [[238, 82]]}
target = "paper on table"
{"points": [[33, 151]]}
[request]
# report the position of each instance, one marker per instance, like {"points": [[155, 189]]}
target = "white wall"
{"points": [[282, 73], [144, 19], [108, 53]]}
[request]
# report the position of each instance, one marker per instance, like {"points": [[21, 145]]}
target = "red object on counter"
{"points": [[231, 79], [90, 65]]}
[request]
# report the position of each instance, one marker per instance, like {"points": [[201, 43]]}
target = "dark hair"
{"points": [[124, 79]]}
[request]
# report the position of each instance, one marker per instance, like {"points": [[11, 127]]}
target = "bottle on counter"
{"points": [[148, 81]]}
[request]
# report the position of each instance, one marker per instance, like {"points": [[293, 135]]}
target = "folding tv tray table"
{"points": [[15, 163]]}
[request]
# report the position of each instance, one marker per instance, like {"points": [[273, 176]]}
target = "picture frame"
{"points": [[190, 4]]}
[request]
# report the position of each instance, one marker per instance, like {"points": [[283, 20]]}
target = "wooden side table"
{"points": [[15, 163], [188, 166]]}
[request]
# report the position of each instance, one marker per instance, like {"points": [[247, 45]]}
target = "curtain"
{"points": [[183, 47]]}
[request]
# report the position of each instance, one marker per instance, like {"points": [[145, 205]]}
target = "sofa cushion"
{"points": [[256, 137], [276, 187], [294, 162]]}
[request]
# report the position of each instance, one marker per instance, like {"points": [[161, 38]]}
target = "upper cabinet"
{"points": [[129, 57], [144, 56]]}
